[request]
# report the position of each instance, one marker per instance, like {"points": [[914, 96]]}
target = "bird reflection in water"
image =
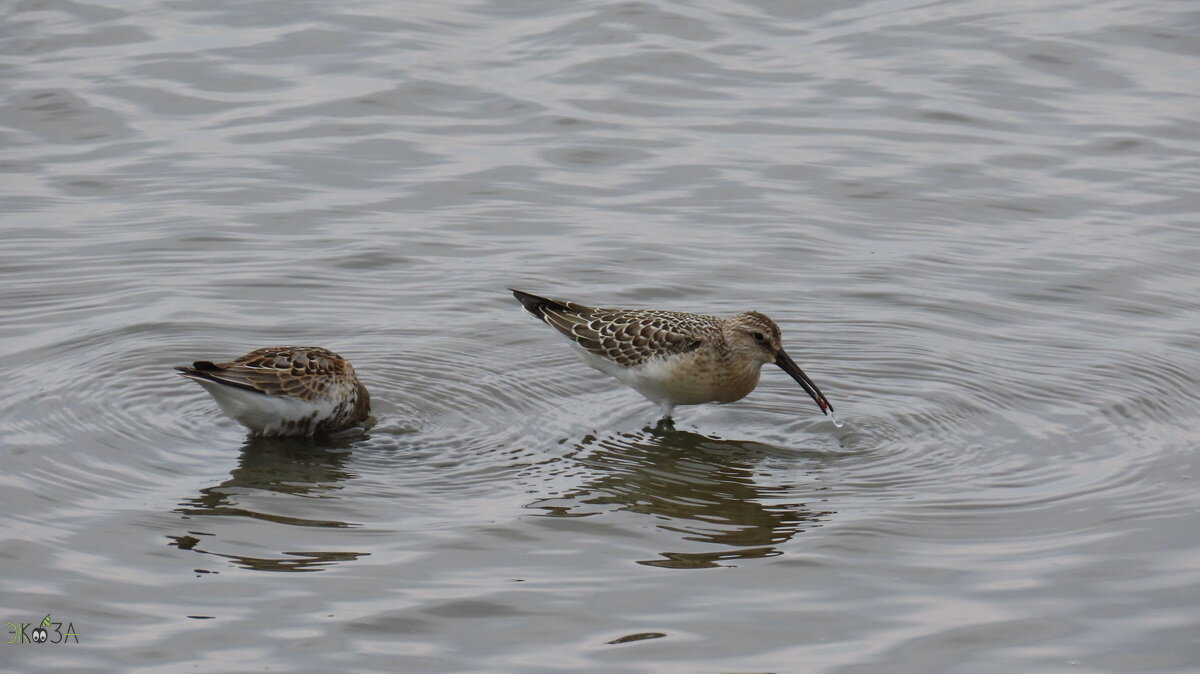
{"points": [[268, 467], [702, 489]]}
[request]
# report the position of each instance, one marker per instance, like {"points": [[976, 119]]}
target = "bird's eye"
{"points": [[758, 336]]}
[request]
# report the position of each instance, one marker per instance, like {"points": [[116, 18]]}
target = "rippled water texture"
{"points": [[975, 221]]}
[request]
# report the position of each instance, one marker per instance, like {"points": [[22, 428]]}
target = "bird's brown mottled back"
{"points": [[630, 337], [305, 373]]}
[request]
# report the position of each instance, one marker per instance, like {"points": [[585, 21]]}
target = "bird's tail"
{"points": [[204, 370], [536, 304], [200, 369]]}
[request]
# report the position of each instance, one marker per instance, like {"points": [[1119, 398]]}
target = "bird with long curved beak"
{"points": [[674, 358]]}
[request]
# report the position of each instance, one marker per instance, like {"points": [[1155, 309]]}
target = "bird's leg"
{"points": [[667, 409], [666, 422]]}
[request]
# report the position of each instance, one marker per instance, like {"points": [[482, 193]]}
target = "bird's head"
{"points": [[755, 336]]}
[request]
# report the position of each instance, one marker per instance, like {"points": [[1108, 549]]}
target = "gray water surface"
{"points": [[976, 222]]}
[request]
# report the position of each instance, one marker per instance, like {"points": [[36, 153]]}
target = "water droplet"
{"points": [[836, 422]]}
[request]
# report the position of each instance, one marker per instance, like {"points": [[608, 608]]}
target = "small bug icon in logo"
{"points": [[39, 633]]}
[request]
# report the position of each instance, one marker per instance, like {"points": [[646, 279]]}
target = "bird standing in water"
{"points": [[674, 358], [286, 390]]}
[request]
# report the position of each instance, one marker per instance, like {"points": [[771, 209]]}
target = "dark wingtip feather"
{"points": [[533, 303], [203, 370], [198, 368], [190, 372]]}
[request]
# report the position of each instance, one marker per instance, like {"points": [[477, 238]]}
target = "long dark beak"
{"points": [[789, 366]]}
